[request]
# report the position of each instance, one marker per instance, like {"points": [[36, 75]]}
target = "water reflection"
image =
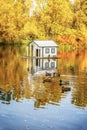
{"points": [[6, 97], [46, 93], [16, 83], [79, 94], [49, 92], [23, 94], [74, 61], [75, 64], [41, 65], [13, 75]]}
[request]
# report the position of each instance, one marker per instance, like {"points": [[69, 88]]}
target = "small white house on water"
{"points": [[43, 49]]}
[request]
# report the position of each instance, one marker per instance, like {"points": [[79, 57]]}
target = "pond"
{"points": [[28, 103]]}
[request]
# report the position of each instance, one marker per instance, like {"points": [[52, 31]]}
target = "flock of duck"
{"points": [[62, 83]]}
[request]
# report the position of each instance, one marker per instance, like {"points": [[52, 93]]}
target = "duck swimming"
{"points": [[48, 74], [52, 74], [65, 89], [56, 74], [47, 80], [61, 82]]}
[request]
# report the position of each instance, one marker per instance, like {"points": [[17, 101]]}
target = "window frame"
{"points": [[46, 64], [52, 64], [47, 50], [53, 50]]}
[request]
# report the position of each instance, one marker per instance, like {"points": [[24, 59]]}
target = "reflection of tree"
{"points": [[14, 84], [46, 93], [79, 95], [13, 73], [5, 97], [73, 61]]}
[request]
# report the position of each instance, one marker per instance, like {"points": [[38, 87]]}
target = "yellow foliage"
{"points": [[46, 19], [12, 20]]}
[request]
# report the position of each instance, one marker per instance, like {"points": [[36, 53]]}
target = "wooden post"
{"points": [[27, 64]]}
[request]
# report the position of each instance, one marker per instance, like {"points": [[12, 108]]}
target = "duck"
{"points": [[53, 74], [48, 74], [61, 82], [65, 89], [56, 74], [48, 79]]}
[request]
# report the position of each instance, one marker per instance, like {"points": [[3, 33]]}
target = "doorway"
{"points": [[37, 52]]}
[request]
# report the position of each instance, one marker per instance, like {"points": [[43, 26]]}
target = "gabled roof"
{"points": [[45, 43]]}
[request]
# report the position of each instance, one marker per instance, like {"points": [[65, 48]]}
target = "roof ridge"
{"points": [[43, 43]]}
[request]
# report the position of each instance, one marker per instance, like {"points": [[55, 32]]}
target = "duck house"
{"points": [[45, 52], [43, 48]]}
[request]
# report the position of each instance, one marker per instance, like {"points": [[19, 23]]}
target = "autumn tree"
{"points": [[14, 15], [80, 21], [54, 17], [25, 20], [80, 15]]}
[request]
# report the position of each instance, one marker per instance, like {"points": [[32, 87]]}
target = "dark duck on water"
{"points": [[53, 74], [48, 79], [65, 89], [61, 82]]}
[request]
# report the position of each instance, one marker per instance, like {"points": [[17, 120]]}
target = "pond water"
{"points": [[28, 103]]}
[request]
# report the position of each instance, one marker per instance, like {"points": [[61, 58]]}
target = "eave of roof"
{"points": [[45, 43]]}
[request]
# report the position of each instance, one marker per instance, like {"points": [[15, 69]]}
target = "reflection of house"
{"points": [[44, 64], [43, 54]]}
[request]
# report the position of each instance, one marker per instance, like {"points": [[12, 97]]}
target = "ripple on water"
{"points": [[1, 128]]}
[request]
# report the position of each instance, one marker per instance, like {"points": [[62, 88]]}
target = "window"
{"points": [[47, 50], [52, 64], [53, 50], [47, 64]]}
